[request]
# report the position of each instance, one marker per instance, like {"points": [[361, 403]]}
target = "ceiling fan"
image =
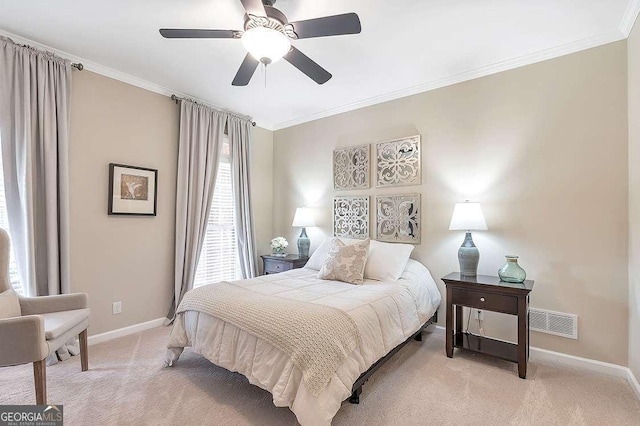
{"points": [[267, 37]]}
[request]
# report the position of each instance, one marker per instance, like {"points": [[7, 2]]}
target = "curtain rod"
{"points": [[177, 99], [77, 66]]}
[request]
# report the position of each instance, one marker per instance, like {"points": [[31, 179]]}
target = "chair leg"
{"points": [[40, 379], [84, 351]]}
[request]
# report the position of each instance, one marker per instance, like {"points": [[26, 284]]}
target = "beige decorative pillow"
{"points": [[345, 262], [9, 304]]}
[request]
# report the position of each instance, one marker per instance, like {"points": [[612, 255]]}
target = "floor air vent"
{"points": [[556, 323]]}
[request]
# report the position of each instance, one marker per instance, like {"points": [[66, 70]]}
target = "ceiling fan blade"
{"points": [[307, 66], [347, 23], [247, 68], [193, 33], [254, 7]]}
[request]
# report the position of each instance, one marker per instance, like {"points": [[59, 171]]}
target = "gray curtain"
{"points": [[201, 133], [34, 124], [239, 131]]}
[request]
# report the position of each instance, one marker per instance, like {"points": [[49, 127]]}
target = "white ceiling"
{"points": [[406, 46]]}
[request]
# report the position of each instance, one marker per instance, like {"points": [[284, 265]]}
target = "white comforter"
{"points": [[386, 314]]}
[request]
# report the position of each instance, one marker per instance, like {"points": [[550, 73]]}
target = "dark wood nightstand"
{"points": [[274, 264], [489, 294]]}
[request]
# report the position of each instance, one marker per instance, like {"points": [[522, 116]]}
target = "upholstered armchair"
{"points": [[44, 326]]}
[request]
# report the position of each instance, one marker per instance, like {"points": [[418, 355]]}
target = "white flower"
{"points": [[279, 243]]}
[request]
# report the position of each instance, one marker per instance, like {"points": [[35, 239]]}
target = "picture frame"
{"points": [[398, 218], [352, 168], [399, 162], [133, 190], [351, 217]]}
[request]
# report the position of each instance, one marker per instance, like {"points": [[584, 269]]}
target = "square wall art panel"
{"points": [[351, 168], [351, 217], [398, 218], [398, 162]]}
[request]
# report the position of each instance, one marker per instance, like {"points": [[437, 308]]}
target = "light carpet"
{"points": [[128, 385]]}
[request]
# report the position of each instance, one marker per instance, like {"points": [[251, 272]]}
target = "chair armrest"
{"points": [[22, 340], [48, 304]]}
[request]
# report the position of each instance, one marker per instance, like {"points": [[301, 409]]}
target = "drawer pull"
{"points": [[482, 299]]}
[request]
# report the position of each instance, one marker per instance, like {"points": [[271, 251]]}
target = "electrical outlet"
{"points": [[117, 308], [479, 315]]}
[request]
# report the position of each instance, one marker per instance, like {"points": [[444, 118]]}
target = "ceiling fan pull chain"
{"points": [[264, 72]]}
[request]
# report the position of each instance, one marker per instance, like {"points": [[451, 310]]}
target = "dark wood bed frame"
{"points": [[356, 390]]}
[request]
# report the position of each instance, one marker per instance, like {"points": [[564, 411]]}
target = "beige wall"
{"points": [[633, 48], [543, 148], [113, 258], [131, 259]]}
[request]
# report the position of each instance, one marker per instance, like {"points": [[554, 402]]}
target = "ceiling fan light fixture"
{"points": [[266, 44]]}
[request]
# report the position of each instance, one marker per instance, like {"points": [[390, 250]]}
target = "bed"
{"points": [[387, 315]]}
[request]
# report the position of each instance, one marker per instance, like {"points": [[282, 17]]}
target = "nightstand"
{"points": [[488, 293], [274, 264]]}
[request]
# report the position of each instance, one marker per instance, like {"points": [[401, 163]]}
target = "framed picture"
{"points": [[398, 162], [398, 218], [351, 217], [132, 190], [351, 168]]}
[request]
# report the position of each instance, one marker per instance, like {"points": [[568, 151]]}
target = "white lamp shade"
{"points": [[303, 218], [467, 217], [264, 42]]}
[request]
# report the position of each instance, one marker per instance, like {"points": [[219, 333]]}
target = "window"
{"points": [[14, 277], [219, 256]]}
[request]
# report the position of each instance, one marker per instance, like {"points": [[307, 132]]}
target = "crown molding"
{"points": [[629, 17], [118, 75], [543, 55], [566, 49]]}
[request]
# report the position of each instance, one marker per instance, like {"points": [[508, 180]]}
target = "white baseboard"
{"points": [[110, 335], [559, 358]]}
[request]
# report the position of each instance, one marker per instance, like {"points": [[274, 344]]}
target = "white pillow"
{"points": [[9, 304], [387, 261], [318, 257]]}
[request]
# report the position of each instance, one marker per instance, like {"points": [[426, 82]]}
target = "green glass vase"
{"points": [[511, 272]]}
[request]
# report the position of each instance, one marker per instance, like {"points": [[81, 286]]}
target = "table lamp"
{"points": [[303, 218], [468, 217]]}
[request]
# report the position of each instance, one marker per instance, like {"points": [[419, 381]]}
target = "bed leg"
{"points": [[418, 336], [355, 396]]}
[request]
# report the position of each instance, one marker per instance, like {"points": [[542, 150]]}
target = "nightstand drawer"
{"points": [[488, 301], [273, 266]]}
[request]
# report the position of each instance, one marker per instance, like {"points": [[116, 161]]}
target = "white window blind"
{"points": [[14, 277], [219, 255]]}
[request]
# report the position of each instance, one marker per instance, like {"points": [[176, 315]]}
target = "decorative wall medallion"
{"points": [[398, 218], [398, 162], [351, 168], [351, 217]]}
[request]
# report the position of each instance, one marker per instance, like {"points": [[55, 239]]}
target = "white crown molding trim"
{"points": [[118, 75], [121, 332], [629, 17], [540, 56], [543, 55], [587, 364]]}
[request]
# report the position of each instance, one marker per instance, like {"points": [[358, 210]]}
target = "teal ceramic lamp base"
{"points": [[468, 257], [304, 243]]}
